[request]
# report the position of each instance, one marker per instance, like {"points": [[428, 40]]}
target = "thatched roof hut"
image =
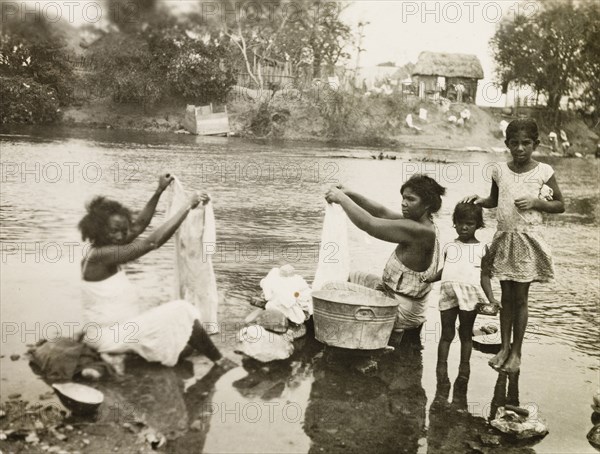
{"points": [[453, 76], [448, 65]]}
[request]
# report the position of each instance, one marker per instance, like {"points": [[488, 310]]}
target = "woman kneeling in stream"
{"points": [[415, 259], [112, 308]]}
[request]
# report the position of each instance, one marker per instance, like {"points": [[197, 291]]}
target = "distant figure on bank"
{"points": [[553, 138], [521, 189], [110, 300], [463, 279]]}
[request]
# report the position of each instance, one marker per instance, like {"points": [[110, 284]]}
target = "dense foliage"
{"points": [[36, 76], [159, 59], [27, 101], [556, 50], [149, 54]]}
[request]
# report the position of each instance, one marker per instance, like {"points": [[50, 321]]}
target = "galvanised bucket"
{"points": [[361, 320]]}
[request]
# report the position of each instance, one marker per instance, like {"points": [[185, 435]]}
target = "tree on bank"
{"points": [[36, 76], [590, 57], [159, 56], [318, 32], [554, 50], [305, 34]]}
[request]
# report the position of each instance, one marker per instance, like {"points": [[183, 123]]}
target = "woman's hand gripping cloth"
{"points": [[195, 242], [334, 255]]}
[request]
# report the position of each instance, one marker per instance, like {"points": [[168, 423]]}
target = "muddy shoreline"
{"points": [[148, 409]]}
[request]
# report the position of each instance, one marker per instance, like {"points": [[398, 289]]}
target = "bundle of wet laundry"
{"points": [[63, 358], [518, 422], [270, 333], [288, 293]]}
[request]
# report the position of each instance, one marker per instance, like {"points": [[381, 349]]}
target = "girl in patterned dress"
{"points": [[465, 285], [521, 189]]}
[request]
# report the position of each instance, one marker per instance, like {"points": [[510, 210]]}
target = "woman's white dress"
{"points": [[115, 323]]}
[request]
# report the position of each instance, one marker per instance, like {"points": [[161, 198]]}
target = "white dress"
{"points": [[116, 324], [461, 277]]}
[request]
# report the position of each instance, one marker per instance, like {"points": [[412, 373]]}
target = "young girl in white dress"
{"points": [[465, 284]]}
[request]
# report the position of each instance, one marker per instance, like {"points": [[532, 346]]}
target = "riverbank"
{"points": [[334, 118]]}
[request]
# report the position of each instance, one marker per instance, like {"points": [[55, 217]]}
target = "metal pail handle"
{"points": [[364, 313]]}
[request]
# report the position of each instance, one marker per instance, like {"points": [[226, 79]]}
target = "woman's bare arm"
{"points": [[436, 277], [373, 208], [143, 219], [391, 230], [119, 254], [490, 201]]}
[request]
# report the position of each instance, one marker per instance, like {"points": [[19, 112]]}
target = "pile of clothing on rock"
{"points": [[270, 332]]}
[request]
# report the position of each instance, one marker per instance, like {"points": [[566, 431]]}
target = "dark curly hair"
{"points": [[99, 210], [429, 190], [466, 210], [527, 125]]}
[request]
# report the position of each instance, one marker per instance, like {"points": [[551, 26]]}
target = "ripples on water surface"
{"points": [[268, 202], [269, 208]]}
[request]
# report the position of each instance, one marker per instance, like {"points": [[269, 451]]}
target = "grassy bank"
{"points": [[323, 115]]}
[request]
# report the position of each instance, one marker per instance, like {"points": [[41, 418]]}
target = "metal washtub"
{"points": [[349, 318]]}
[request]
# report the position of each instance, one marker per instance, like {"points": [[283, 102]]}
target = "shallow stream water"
{"points": [[269, 208]]}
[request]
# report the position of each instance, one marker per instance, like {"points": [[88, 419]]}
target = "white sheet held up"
{"points": [[194, 244], [334, 255]]}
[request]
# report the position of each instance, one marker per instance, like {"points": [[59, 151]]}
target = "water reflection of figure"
{"points": [[198, 399], [450, 424], [268, 381], [351, 412], [504, 395], [154, 394], [452, 428]]}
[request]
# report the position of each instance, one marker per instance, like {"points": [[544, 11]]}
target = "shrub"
{"points": [[342, 112], [160, 61], [36, 75], [268, 120], [199, 73], [27, 101]]}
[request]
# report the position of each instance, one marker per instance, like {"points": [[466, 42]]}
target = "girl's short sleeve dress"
{"points": [[519, 252]]}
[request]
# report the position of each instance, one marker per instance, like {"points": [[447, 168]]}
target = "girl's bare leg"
{"points": [[506, 322], [448, 318], [520, 317], [465, 332]]}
